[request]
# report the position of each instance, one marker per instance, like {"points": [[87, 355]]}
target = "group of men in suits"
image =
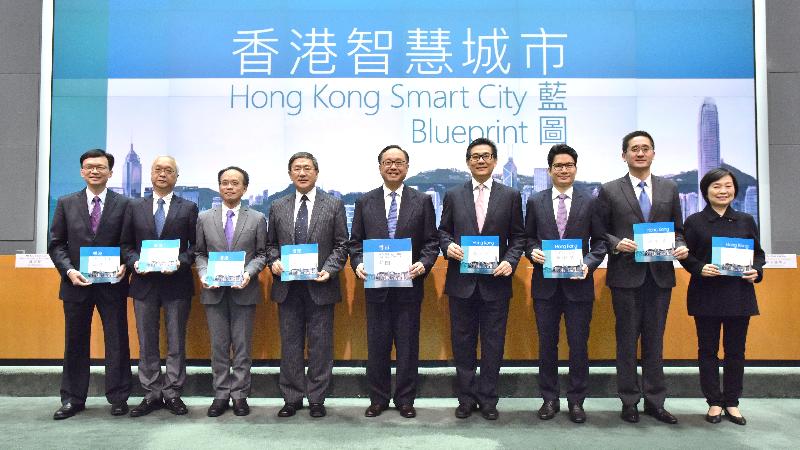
{"points": [[479, 303]]}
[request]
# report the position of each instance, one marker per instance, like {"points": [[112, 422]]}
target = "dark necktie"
{"points": [[391, 219], [561, 215], [160, 217], [94, 216], [229, 228], [301, 223], [644, 201]]}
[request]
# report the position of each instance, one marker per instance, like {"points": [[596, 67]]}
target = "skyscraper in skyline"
{"points": [[751, 201], [708, 151], [132, 175], [541, 179], [510, 177]]}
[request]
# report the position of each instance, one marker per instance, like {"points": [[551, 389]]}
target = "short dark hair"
{"points": [[561, 149], [389, 147], [98, 153], [305, 155], [634, 134], [714, 175], [238, 169], [482, 141]]}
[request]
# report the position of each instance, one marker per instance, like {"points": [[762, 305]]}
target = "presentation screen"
{"points": [[250, 82]]}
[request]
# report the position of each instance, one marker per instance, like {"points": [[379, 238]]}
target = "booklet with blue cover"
{"points": [[563, 258], [481, 254], [159, 255], [733, 256], [655, 241], [100, 264], [387, 263], [225, 269], [299, 262]]}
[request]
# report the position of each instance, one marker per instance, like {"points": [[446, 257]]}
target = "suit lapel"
{"points": [[218, 225], [469, 205], [320, 202], [574, 209], [84, 209], [658, 192], [147, 211], [376, 207], [407, 207], [630, 195], [239, 225], [494, 200], [174, 208], [111, 203]]}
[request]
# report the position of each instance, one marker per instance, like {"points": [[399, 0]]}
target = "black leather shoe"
{"points": [[661, 414], [316, 410], [375, 410], [576, 413], [68, 410], [407, 411], [714, 419], [489, 412], [290, 409], [146, 407], [630, 413], [549, 409], [176, 406], [119, 409], [738, 420], [240, 407], [464, 410], [218, 407]]}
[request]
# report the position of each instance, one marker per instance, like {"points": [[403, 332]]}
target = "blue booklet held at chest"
{"points": [[100, 264], [225, 269], [733, 256], [387, 263], [481, 254], [299, 262], [159, 255], [563, 258], [654, 241]]}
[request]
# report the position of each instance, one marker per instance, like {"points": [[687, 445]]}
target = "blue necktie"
{"points": [[160, 217], [644, 201], [301, 223], [391, 219]]}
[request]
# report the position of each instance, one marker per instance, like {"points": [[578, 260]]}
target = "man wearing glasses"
{"points": [[479, 302], [164, 216], [394, 211], [563, 212], [91, 217], [640, 291], [305, 308]]}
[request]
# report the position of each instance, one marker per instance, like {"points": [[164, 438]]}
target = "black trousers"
{"points": [[733, 340], [391, 322], [577, 317], [78, 329], [471, 318], [641, 312]]}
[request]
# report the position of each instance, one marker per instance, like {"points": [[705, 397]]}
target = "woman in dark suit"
{"points": [[721, 302]]}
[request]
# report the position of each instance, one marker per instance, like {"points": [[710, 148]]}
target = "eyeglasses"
{"points": [[475, 157], [91, 168], [164, 170], [398, 164], [564, 166], [299, 169], [643, 149]]}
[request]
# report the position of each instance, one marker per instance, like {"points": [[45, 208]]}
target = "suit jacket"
{"points": [[327, 227], [540, 224], [250, 236], [416, 220], [71, 230], [503, 219], [140, 225], [721, 295], [617, 210]]}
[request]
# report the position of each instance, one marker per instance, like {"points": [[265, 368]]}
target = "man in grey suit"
{"points": [[231, 226], [165, 216], [479, 303], [305, 308], [563, 212], [640, 292], [394, 211]]}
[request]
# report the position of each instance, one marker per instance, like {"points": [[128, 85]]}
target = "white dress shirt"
{"points": [[567, 201], [235, 217], [387, 199], [167, 199], [649, 188], [298, 197], [90, 196], [487, 189]]}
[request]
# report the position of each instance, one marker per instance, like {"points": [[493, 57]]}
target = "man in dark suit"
{"points": [[165, 216], [394, 211], [230, 311], [91, 217], [563, 212], [640, 292], [305, 308], [479, 303]]}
